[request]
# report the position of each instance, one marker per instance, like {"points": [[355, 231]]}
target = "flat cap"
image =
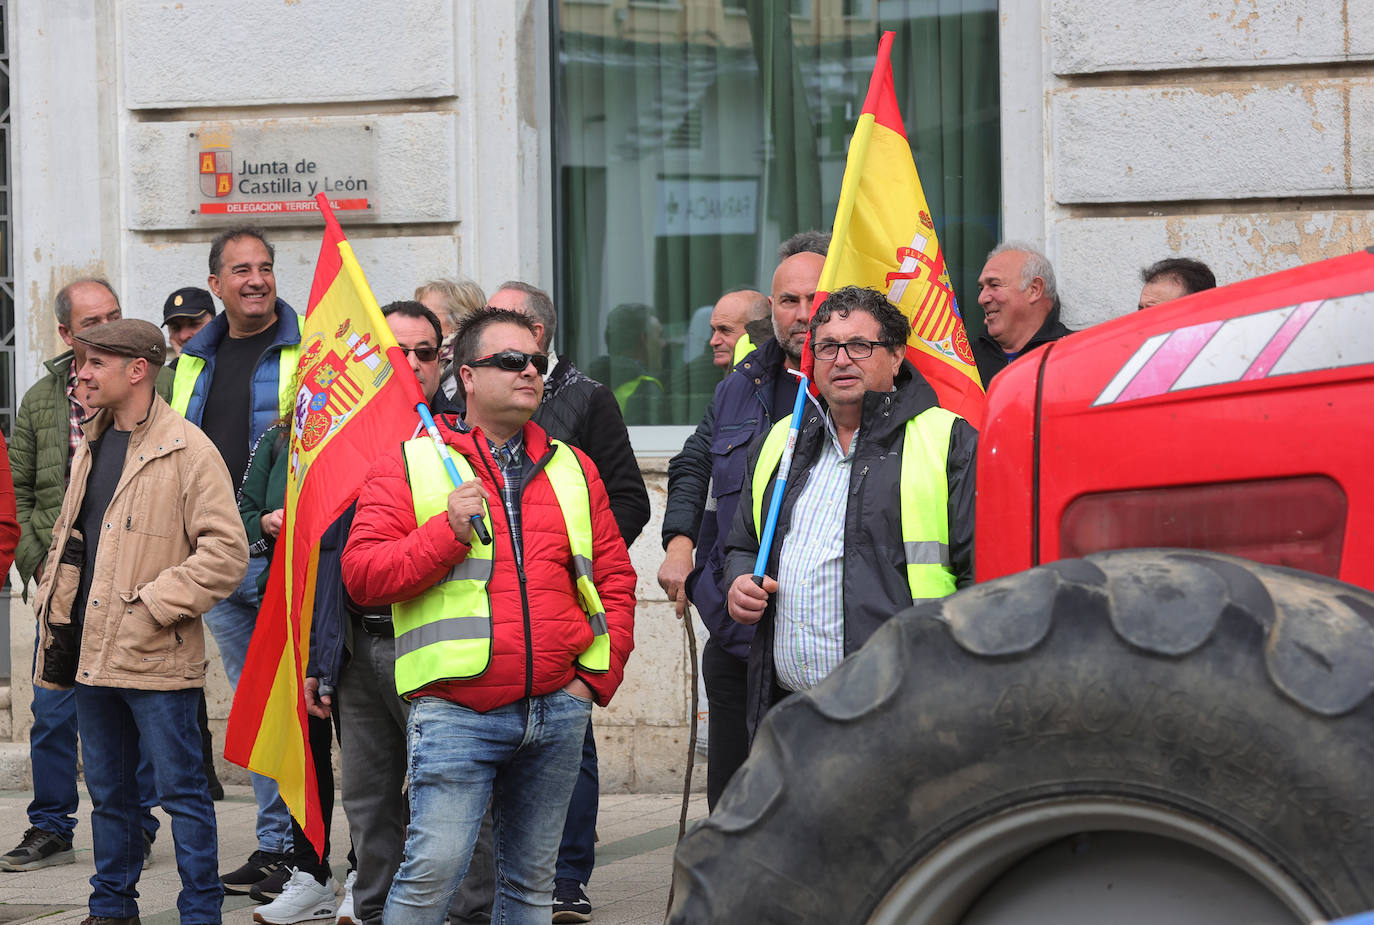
{"points": [[127, 337], [187, 303]]}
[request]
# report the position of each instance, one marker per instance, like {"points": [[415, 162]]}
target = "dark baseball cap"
{"points": [[187, 303], [127, 337]]}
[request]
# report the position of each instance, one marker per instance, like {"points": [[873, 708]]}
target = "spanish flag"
{"points": [[355, 394], [884, 238]]}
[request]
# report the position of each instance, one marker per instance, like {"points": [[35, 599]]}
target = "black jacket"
{"points": [[875, 581], [992, 359], [704, 482]]}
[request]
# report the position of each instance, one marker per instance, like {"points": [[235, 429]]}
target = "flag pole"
{"points": [[421, 407], [770, 523]]}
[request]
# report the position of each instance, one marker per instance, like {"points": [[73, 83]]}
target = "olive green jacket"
{"points": [[39, 456]]}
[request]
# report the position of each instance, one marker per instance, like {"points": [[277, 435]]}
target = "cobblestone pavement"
{"points": [[634, 851]]}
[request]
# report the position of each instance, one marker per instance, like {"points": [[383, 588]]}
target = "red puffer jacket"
{"points": [[538, 628]]}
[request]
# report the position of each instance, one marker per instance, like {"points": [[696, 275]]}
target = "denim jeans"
{"points": [[231, 622], [525, 756], [52, 759], [115, 724]]}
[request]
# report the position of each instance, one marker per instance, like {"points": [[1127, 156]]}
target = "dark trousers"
{"points": [[303, 854], [727, 732]]}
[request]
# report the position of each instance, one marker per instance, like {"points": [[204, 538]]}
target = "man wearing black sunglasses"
{"points": [[584, 413], [877, 513], [501, 648]]}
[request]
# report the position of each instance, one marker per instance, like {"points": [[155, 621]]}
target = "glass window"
{"points": [[691, 142]]}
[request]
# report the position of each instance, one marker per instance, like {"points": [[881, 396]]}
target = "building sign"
{"points": [[267, 169], [706, 206]]}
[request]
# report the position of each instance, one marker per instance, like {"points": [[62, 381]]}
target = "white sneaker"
{"points": [[346, 907], [302, 898]]}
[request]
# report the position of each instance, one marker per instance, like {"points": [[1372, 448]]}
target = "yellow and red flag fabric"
{"points": [[884, 238], [355, 395]]}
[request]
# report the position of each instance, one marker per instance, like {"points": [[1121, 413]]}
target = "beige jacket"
{"points": [[173, 546]]}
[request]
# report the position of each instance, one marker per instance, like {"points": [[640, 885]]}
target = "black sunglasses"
{"points": [[423, 354], [514, 361]]}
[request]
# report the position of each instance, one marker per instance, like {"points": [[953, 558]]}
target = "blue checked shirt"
{"points": [[808, 637], [510, 459]]}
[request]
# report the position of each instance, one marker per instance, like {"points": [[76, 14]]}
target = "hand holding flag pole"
{"points": [[478, 526], [770, 523]]}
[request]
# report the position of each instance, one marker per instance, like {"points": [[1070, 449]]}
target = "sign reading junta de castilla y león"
{"points": [[275, 168]]}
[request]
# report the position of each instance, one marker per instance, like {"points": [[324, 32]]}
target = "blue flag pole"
{"points": [[427, 419], [770, 523]]}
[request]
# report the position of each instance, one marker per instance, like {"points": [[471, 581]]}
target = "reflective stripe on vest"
{"points": [[190, 367], [445, 633], [924, 497]]}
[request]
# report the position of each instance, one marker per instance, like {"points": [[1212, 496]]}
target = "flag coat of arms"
{"points": [[884, 238], [355, 397]]}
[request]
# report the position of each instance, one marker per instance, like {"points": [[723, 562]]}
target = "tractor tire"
{"points": [[1192, 697]]}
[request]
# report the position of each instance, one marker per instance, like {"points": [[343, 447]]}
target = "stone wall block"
{"points": [[226, 53], [1097, 260], [1218, 142], [655, 688], [393, 266], [1088, 36]]}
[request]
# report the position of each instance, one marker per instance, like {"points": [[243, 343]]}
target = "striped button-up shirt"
{"points": [[808, 637]]}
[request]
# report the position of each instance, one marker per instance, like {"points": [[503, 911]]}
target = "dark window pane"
{"points": [[688, 146]]}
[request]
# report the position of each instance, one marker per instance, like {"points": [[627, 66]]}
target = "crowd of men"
{"points": [[456, 667]]}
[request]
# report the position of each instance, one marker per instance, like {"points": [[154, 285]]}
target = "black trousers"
{"points": [[727, 735]]}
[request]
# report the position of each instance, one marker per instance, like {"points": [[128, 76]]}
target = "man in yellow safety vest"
{"points": [[877, 512], [503, 646]]}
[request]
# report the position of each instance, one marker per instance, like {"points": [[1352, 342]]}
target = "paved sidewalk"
{"points": [[636, 834]]}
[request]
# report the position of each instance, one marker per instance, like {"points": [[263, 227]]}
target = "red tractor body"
{"points": [[1240, 420]]}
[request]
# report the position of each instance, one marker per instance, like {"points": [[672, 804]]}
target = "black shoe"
{"points": [[216, 788], [148, 846], [270, 887], [102, 920], [570, 903], [39, 848], [260, 865]]}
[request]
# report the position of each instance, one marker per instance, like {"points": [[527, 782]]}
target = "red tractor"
{"points": [[1155, 706]]}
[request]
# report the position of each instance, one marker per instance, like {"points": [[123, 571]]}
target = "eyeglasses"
{"points": [[423, 354], [514, 361], [857, 349]]}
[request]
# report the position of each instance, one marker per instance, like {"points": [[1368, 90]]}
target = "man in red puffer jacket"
{"points": [[501, 647]]}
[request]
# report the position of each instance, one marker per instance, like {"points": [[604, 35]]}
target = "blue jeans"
{"points": [[116, 724], [231, 622], [524, 756], [52, 759]]}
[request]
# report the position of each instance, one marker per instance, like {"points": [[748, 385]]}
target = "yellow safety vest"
{"points": [[923, 495], [190, 367], [743, 347], [445, 633], [626, 390]]}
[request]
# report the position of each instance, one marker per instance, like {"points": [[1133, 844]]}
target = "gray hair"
{"points": [[804, 242], [461, 297], [539, 305], [1035, 264], [62, 305]]}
